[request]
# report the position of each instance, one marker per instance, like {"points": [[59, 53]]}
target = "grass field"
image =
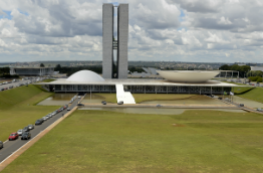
{"points": [[98, 97], [139, 98], [17, 107], [195, 141], [242, 90], [48, 80], [256, 94]]}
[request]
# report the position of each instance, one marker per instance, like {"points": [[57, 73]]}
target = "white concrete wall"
{"points": [[121, 95]]}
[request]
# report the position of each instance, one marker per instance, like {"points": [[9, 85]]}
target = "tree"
{"points": [[58, 67], [224, 67], [42, 65]]}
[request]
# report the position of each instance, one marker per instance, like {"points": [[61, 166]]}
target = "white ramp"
{"points": [[121, 95]]}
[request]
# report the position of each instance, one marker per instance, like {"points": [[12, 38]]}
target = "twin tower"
{"points": [[110, 43]]}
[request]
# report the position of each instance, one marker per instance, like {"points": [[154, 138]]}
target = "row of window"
{"points": [[142, 89]]}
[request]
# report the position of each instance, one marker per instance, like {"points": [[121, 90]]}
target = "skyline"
{"points": [[159, 30]]}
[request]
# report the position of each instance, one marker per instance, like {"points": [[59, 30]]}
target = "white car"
{"points": [[45, 118], [19, 132]]}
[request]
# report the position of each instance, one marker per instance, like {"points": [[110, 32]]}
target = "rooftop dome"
{"points": [[85, 76]]}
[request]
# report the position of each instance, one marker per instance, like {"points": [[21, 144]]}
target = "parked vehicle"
{"points": [[19, 132], [13, 136], [45, 118], [68, 109], [26, 135], [25, 129], [30, 126], [259, 110], [104, 102], [1, 144], [39, 121], [120, 103]]}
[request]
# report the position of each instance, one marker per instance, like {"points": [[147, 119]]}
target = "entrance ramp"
{"points": [[121, 95]]}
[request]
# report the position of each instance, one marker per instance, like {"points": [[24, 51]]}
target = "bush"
{"points": [[259, 79], [253, 78]]}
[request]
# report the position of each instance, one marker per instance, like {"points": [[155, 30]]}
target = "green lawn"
{"points": [[139, 98], [17, 107], [242, 90], [48, 80], [256, 94], [108, 97], [195, 141]]}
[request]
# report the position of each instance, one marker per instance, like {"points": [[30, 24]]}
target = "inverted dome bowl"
{"points": [[188, 76]]}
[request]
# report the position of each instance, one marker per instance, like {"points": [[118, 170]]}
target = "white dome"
{"points": [[188, 76], [85, 76]]}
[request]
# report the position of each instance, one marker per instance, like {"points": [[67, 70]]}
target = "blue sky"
{"points": [[7, 15]]}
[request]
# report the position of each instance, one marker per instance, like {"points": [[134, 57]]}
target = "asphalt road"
{"points": [[15, 84], [11, 146]]}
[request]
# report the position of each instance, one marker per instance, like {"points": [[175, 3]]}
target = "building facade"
{"points": [[110, 43], [31, 71], [123, 25], [107, 40]]}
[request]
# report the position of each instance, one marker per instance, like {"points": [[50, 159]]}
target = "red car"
{"points": [[13, 136]]}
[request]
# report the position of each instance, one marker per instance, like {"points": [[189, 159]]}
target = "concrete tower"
{"points": [[107, 37], [122, 55], [109, 44]]}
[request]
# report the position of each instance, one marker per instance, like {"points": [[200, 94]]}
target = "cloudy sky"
{"points": [[168, 30]]}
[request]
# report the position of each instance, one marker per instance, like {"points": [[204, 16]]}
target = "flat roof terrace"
{"points": [[143, 82]]}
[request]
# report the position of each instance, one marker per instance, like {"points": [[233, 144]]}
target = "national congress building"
{"points": [[110, 43]]}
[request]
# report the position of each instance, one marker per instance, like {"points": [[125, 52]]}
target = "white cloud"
{"points": [[179, 30]]}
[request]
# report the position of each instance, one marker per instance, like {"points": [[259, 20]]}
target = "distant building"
{"points": [[256, 68], [31, 71]]}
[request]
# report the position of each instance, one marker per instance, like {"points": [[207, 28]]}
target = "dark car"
{"points": [[104, 102], [30, 126], [39, 121], [1, 144], [26, 135], [13, 136], [26, 129], [80, 104], [120, 103]]}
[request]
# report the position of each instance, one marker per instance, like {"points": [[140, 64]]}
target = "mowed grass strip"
{"points": [[139, 98], [195, 141], [108, 97], [255, 94], [241, 90], [17, 107]]}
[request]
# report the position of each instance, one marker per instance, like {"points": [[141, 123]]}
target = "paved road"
{"points": [[16, 84], [11, 146]]}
